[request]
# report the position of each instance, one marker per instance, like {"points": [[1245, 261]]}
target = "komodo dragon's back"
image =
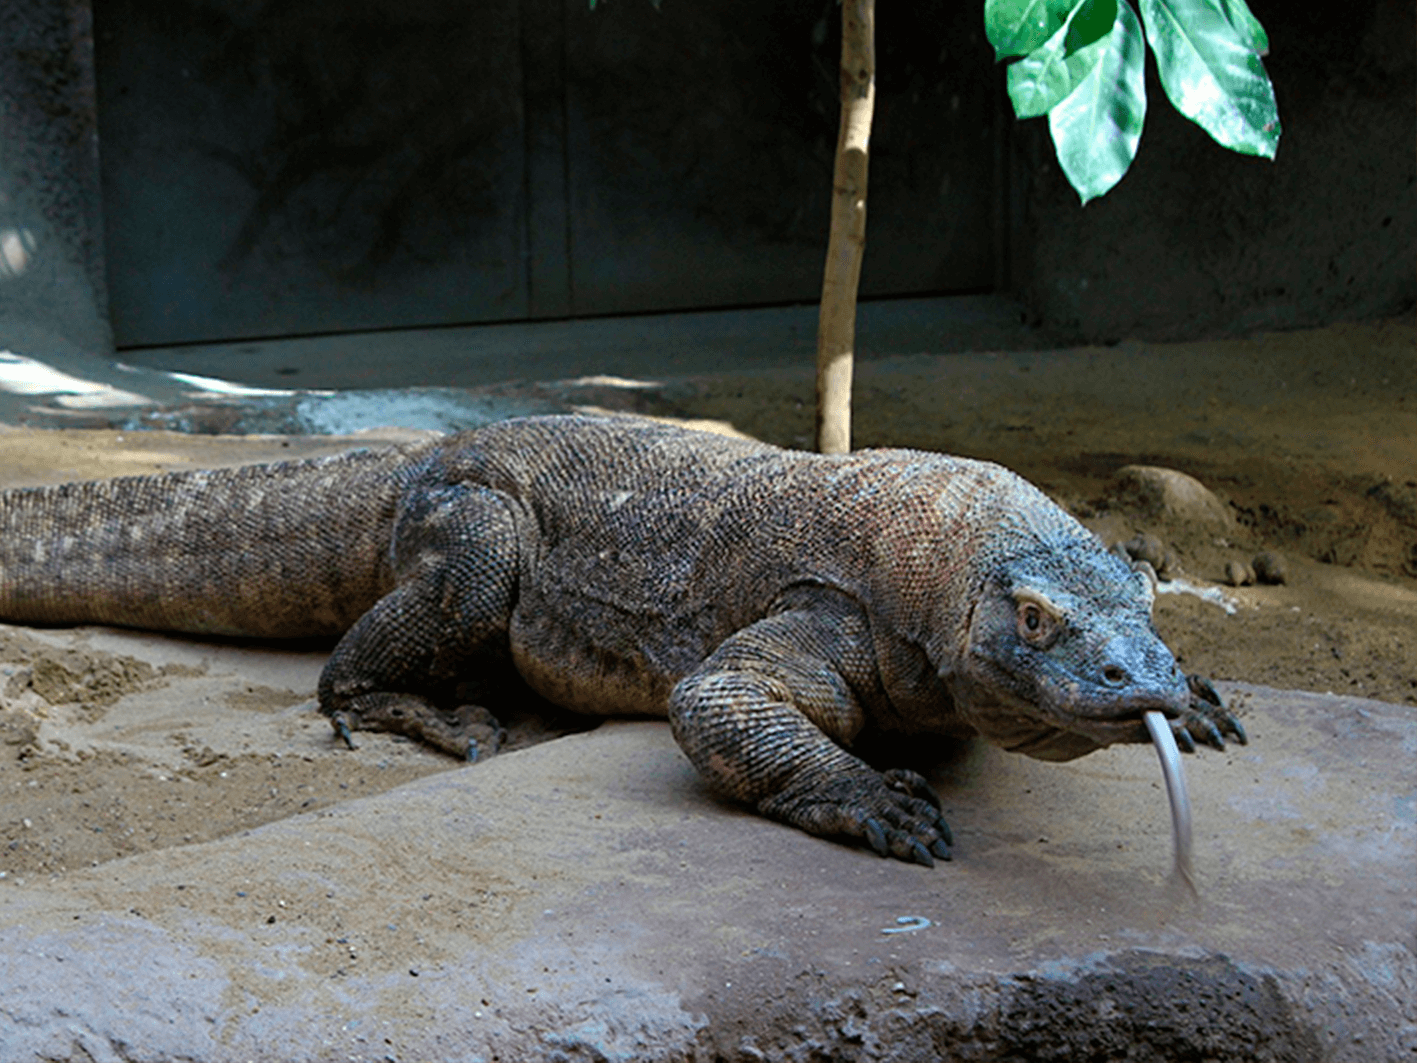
{"points": [[777, 606]]}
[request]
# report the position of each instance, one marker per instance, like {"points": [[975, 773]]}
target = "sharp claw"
{"points": [[945, 833], [473, 751], [876, 837], [941, 848], [1233, 726], [1203, 688], [921, 855], [1184, 740], [1213, 736], [342, 730]]}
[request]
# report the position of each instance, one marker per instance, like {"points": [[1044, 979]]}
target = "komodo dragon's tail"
{"points": [[285, 550]]}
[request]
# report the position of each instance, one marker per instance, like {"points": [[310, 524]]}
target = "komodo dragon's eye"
{"points": [[1038, 625]]}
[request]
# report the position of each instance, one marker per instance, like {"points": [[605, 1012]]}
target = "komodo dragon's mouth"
{"points": [[1060, 727], [1109, 717], [1129, 726], [1037, 735], [1056, 728]]}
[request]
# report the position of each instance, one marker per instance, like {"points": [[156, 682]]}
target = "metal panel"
{"points": [[548, 238], [701, 144], [309, 167]]}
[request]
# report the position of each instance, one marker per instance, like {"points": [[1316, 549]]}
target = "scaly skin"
{"points": [[774, 605]]}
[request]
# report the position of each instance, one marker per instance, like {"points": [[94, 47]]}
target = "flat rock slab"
{"points": [[588, 899]]}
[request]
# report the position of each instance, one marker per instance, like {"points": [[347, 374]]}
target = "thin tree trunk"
{"points": [[836, 327]]}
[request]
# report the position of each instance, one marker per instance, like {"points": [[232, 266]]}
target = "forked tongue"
{"points": [[1160, 730]]}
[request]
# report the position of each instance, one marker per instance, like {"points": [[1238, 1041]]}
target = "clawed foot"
{"points": [[1208, 720], [468, 732], [897, 813]]}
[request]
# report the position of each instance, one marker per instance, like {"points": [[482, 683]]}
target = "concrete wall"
{"points": [[702, 140], [314, 168], [1197, 240], [309, 167], [52, 292]]}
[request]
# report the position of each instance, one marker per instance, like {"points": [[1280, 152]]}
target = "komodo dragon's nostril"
{"points": [[1114, 675]]}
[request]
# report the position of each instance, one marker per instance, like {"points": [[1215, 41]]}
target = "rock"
{"points": [[1270, 568], [1239, 574], [17, 726], [672, 927], [1147, 547], [1167, 495]]}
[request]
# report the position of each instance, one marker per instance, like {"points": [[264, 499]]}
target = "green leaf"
{"points": [[1038, 82], [1237, 13], [1089, 22], [1017, 27], [1097, 128], [1212, 74]]}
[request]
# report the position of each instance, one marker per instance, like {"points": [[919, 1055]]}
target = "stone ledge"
{"points": [[588, 899]]}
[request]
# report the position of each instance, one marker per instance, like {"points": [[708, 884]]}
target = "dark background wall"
{"points": [[1196, 240], [308, 167], [52, 294], [299, 167]]}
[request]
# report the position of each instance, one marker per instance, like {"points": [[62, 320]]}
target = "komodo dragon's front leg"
{"points": [[397, 669], [763, 715]]}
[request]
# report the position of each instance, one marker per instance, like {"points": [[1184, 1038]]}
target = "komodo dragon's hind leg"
{"points": [[763, 715], [396, 669]]}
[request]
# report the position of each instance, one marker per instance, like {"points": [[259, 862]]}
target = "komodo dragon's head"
{"points": [[1062, 655]]}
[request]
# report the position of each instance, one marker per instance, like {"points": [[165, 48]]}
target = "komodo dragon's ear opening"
{"points": [[1040, 622]]}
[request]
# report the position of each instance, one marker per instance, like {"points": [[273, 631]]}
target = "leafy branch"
{"points": [[1082, 64]]}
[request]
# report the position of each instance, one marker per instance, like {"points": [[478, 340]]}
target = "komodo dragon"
{"points": [[776, 605]]}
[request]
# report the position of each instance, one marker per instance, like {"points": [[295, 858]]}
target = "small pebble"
{"points": [[1239, 574], [1270, 568], [1147, 547]]}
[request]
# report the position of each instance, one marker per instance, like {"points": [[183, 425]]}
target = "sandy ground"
{"points": [[115, 743]]}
